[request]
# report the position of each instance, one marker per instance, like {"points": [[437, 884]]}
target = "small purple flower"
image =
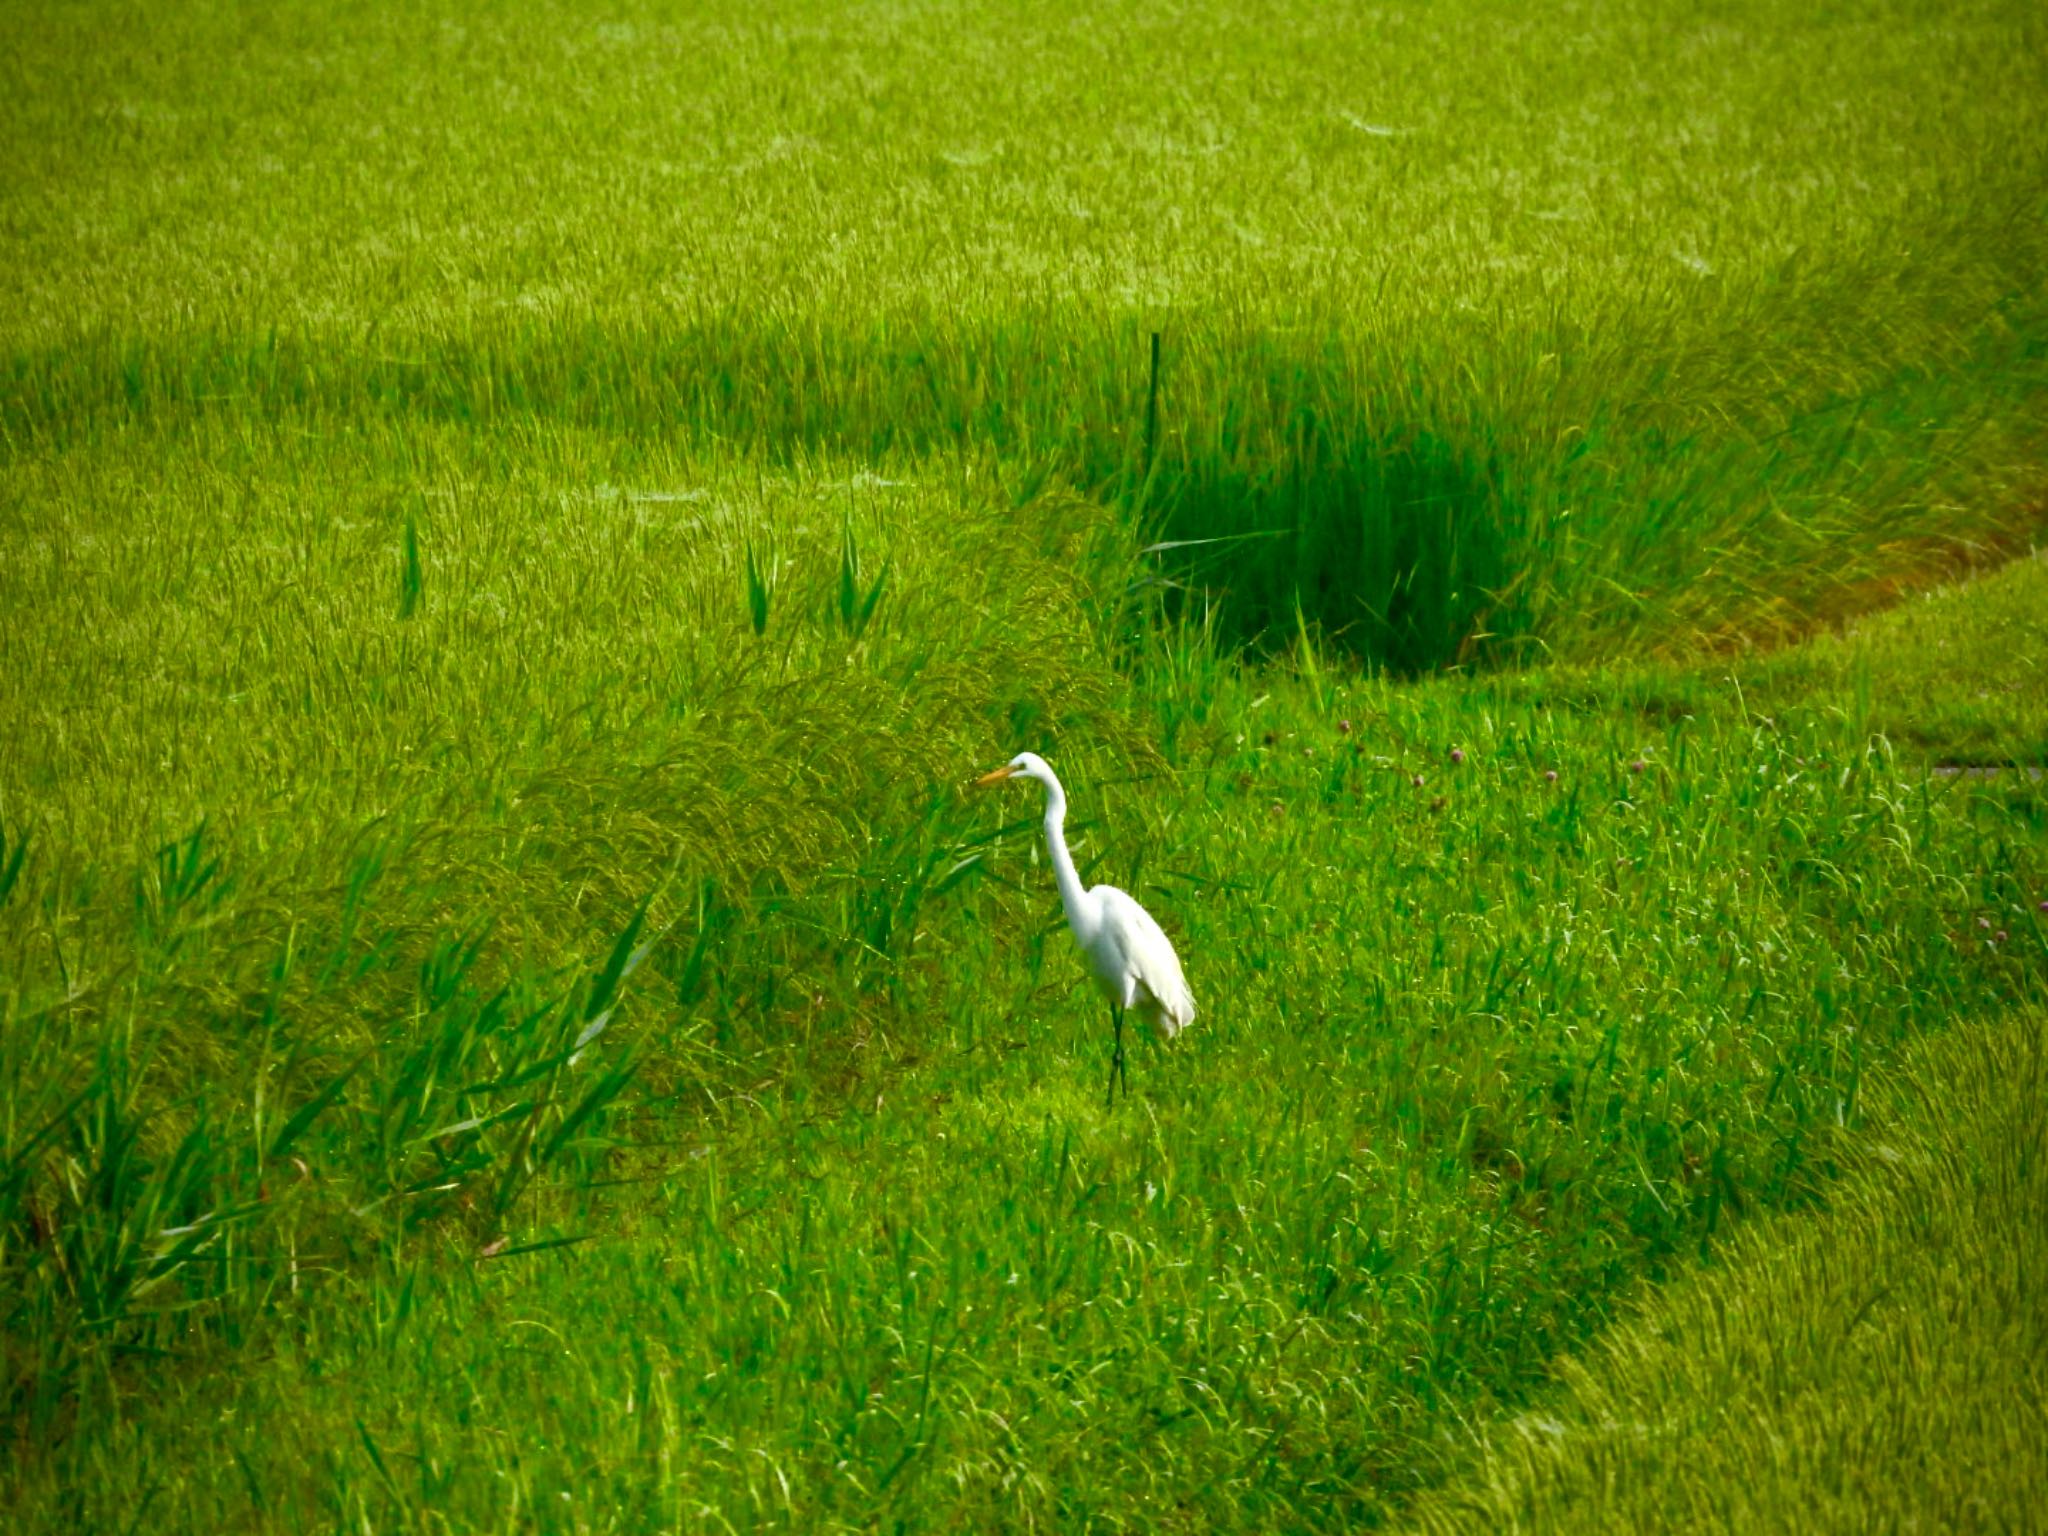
{"points": [[1457, 756], [1416, 781], [2044, 906], [1550, 775], [1637, 766], [1343, 727], [1998, 937], [1983, 922]]}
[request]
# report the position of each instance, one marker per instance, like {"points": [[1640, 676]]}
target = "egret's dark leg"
{"points": [[1116, 1060]]}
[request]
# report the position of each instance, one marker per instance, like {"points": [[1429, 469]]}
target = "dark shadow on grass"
{"points": [[1390, 542]]}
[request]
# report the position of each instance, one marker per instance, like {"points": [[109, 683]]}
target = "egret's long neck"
{"points": [[1062, 861]]}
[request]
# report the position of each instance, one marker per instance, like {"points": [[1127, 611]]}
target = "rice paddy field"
{"points": [[519, 524]]}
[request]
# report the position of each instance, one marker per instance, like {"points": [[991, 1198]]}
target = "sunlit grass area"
{"points": [[1480, 332], [516, 531], [1875, 1367], [844, 1232]]}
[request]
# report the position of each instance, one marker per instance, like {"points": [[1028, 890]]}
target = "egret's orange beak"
{"points": [[996, 777]]}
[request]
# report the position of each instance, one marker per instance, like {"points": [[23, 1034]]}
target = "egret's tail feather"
{"points": [[1171, 1015]]}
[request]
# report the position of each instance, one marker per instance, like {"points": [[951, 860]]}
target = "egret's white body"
{"points": [[1128, 954]]}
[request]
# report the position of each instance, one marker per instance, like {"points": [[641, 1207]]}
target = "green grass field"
{"points": [[516, 529], [1880, 1367]]}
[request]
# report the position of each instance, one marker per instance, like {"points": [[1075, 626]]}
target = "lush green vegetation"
{"points": [[1876, 1368], [1496, 327], [517, 528]]}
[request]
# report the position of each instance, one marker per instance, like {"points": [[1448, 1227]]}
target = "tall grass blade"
{"points": [[303, 1117], [410, 580], [620, 964], [10, 862], [759, 591]]}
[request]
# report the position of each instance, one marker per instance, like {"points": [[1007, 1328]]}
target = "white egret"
{"points": [[1128, 954]]}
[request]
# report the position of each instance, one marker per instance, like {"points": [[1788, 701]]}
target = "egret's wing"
{"points": [[1148, 958]]}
